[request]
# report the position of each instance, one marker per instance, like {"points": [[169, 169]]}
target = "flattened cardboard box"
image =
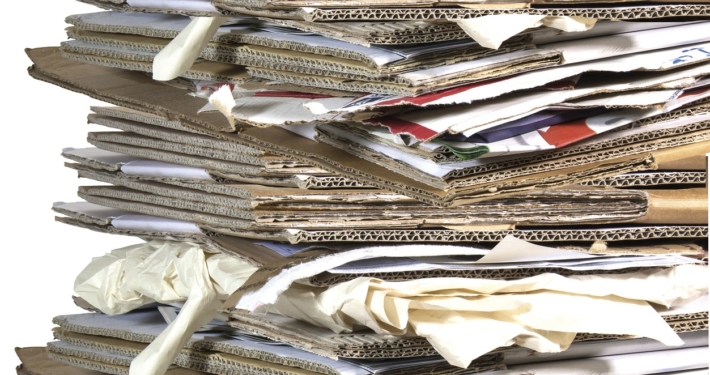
{"points": [[100, 218], [198, 8], [79, 335], [219, 363], [443, 155], [114, 118], [35, 361], [367, 33], [252, 195], [151, 97], [571, 207], [128, 334], [239, 201], [275, 54], [311, 14], [143, 62], [210, 179], [103, 27], [355, 345], [483, 4], [681, 178]]}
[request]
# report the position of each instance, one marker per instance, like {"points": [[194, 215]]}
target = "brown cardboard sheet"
{"points": [[160, 128], [35, 361], [652, 179], [118, 29], [402, 86], [124, 6], [315, 14], [140, 93], [555, 207], [367, 33], [94, 159], [207, 157], [270, 54], [219, 239], [482, 4], [143, 62], [257, 195], [149, 148]]}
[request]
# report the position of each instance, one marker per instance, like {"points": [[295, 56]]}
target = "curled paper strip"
{"points": [[179, 55], [491, 31], [165, 272]]}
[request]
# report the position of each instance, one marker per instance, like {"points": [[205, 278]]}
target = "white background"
{"points": [[39, 257]]}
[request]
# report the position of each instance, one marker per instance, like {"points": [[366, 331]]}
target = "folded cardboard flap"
{"points": [[688, 206]]}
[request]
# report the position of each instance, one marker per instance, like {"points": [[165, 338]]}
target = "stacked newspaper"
{"points": [[332, 187]]}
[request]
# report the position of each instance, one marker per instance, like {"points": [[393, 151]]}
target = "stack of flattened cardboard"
{"points": [[338, 187]]}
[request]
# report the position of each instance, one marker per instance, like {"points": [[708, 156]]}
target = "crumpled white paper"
{"points": [[179, 55], [491, 31], [466, 318], [165, 272]]}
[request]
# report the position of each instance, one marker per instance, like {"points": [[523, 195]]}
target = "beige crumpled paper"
{"points": [[491, 31], [179, 55], [466, 318], [165, 272]]}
